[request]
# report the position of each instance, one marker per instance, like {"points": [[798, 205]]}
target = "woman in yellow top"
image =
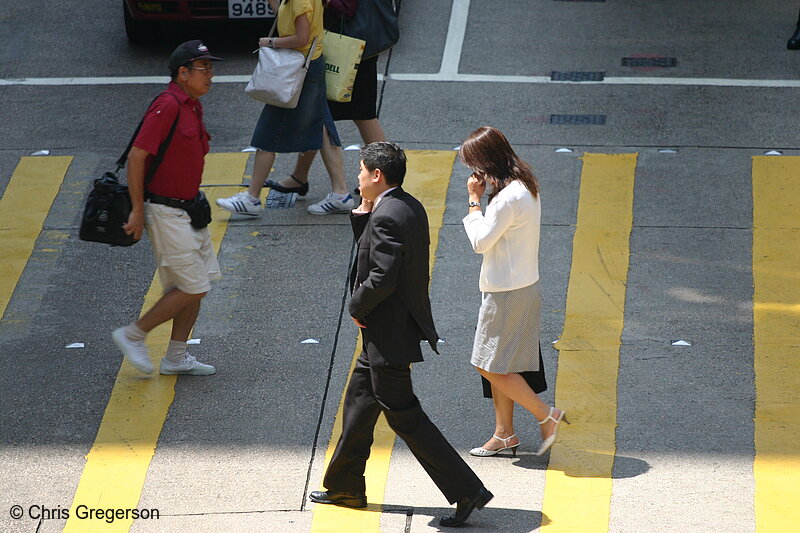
{"points": [[309, 126]]}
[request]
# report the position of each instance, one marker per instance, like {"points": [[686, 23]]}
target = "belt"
{"points": [[165, 200]]}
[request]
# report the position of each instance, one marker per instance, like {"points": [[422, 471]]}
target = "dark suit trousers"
{"points": [[388, 389]]}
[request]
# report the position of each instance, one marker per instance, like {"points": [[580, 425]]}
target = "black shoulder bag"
{"points": [[375, 22], [109, 203]]}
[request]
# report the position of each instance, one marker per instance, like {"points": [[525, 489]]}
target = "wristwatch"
{"points": [[474, 204]]}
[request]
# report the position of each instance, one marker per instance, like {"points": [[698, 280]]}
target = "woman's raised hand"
{"points": [[476, 185]]}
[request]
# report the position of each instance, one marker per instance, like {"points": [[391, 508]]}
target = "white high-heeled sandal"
{"points": [[483, 452], [549, 441]]}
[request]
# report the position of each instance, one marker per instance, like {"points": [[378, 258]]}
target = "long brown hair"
{"points": [[489, 154]]}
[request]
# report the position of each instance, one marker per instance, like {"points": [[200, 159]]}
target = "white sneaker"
{"points": [[189, 366], [332, 204], [241, 204], [134, 351]]}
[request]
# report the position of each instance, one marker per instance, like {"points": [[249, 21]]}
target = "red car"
{"points": [[142, 19]]}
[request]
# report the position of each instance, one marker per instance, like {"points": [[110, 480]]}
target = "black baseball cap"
{"points": [[188, 52]]}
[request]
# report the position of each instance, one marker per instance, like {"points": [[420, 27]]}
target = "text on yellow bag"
{"points": [[342, 56]]}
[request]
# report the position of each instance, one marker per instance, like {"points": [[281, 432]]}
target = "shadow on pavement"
{"points": [[487, 519], [624, 467]]}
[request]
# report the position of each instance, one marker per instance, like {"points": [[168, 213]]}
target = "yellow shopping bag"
{"points": [[342, 56]]}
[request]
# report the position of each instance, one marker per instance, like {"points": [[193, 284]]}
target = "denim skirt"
{"points": [[284, 130]]}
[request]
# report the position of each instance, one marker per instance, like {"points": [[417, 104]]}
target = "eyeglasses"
{"points": [[208, 70]]}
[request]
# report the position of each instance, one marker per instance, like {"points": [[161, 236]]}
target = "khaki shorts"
{"points": [[184, 255]]}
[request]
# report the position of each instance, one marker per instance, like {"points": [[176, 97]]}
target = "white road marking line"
{"points": [[456, 31], [623, 80], [716, 82], [108, 80], [433, 77]]}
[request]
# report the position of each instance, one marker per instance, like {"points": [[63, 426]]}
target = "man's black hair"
{"points": [[388, 157], [174, 73]]}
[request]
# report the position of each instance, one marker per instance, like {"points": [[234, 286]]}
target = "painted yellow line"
{"points": [[427, 178], [577, 493], [117, 464], [23, 210], [776, 339]]}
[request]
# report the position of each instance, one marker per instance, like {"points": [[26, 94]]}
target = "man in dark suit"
{"points": [[390, 303]]}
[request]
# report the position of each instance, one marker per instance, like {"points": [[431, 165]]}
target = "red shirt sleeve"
{"points": [[157, 122]]}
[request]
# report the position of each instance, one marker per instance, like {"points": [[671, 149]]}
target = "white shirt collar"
{"points": [[381, 195]]}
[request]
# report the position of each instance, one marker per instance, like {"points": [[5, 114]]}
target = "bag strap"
{"points": [[274, 24], [311, 52], [275, 21], [162, 148]]}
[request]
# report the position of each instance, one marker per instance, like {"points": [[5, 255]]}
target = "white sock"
{"points": [[176, 351], [254, 199], [134, 333], [340, 196]]}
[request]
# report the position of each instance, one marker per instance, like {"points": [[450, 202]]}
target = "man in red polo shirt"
{"points": [[184, 255]]}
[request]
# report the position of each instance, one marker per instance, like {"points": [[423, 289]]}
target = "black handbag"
{"points": [[108, 205], [375, 22], [107, 209]]}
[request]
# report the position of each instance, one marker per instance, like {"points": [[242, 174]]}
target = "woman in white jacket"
{"points": [[507, 338]]}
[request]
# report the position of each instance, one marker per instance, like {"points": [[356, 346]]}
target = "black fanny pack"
{"points": [[197, 208]]}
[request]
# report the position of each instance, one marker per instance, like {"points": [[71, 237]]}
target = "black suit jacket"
{"points": [[390, 285]]}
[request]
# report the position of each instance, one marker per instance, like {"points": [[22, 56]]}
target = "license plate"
{"points": [[249, 9]]}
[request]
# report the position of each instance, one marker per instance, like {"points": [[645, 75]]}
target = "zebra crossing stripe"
{"points": [[23, 210], [577, 494], [776, 330]]}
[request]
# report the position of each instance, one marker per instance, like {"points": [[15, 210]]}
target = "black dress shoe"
{"points": [[794, 40], [347, 499], [301, 189], [464, 508]]}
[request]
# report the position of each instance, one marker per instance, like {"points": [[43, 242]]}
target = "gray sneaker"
{"points": [[189, 366], [332, 204], [241, 204], [134, 351]]}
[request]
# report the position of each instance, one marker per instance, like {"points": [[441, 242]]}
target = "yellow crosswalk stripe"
{"points": [[23, 210], [427, 178], [117, 463], [577, 493], [776, 339]]}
